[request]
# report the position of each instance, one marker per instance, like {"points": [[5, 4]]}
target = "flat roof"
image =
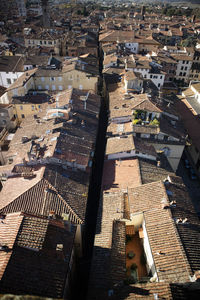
{"points": [[118, 175]]}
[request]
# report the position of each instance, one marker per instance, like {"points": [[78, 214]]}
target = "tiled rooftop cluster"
{"points": [[52, 158], [32, 260], [55, 58], [45, 192], [141, 196], [172, 228]]}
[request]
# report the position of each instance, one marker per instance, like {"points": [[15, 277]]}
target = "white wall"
{"points": [[13, 76], [4, 98], [119, 120], [157, 79], [182, 64], [121, 155], [196, 93], [147, 249]]}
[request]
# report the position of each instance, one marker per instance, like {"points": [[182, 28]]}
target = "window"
{"points": [[8, 81], [39, 87], [39, 106], [33, 107], [180, 74], [137, 152], [21, 107], [160, 77], [158, 84], [182, 68], [60, 88], [40, 42], [80, 87], [47, 87], [183, 61], [10, 160], [187, 62], [50, 43], [184, 74], [42, 78], [23, 116], [52, 78], [185, 68], [53, 87], [45, 42], [165, 137], [60, 78], [151, 76]]}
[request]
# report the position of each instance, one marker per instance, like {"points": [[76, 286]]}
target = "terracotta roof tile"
{"points": [[35, 266]]}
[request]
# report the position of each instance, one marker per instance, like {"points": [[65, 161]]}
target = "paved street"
{"points": [[192, 185]]}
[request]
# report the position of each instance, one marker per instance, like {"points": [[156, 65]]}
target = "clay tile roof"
{"points": [[8, 231], [171, 264], [117, 144], [35, 266], [188, 225], [117, 129], [120, 175], [141, 291], [41, 199], [110, 208], [150, 172], [11, 64], [146, 105]]}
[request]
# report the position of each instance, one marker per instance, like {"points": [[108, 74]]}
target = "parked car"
{"points": [[192, 174], [186, 163]]}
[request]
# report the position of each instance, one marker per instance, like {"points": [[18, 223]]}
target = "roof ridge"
{"points": [[62, 199]]}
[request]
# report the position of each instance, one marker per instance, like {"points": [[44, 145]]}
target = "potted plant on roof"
{"points": [[155, 122]]}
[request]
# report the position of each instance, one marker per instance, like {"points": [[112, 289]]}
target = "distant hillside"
{"points": [[179, 1], [189, 1]]}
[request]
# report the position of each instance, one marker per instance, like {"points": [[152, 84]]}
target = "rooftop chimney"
{"points": [[158, 163]]}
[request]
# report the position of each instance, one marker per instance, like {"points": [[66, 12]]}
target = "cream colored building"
{"points": [[50, 80], [70, 76], [45, 39]]}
